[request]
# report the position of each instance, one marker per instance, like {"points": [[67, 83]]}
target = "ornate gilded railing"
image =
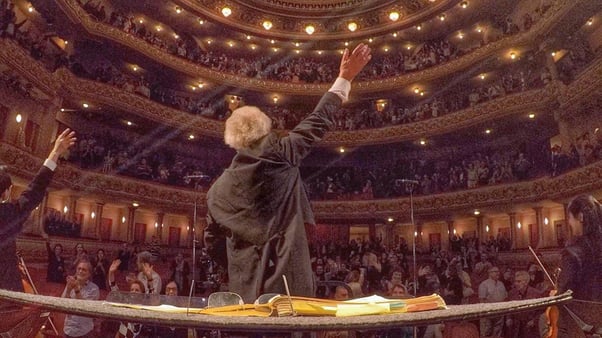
{"points": [[170, 199], [554, 14], [587, 84], [92, 91]]}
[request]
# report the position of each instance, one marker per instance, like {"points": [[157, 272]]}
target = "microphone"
{"points": [[403, 180]]}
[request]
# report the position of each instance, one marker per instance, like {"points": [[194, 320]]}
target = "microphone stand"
{"points": [[194, 240], [410, 185]]}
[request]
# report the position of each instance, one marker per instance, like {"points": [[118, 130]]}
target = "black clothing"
{"points": [[581, 272], [12, 217], [260, 205], [56, 266]]}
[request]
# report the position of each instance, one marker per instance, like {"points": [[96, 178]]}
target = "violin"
{"points": [[552, 312]]}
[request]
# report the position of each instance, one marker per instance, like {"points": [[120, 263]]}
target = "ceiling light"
{"points": [[272, 41], [275, 99], [209, 41], [176, 36], [386, 49], [418, 27], [390, 219], [141, 21], [85, 105], [201, 21], [191, 137], [479, 30], [158, 28], [135, 68], [346, 43], [394, 16], [531, 116], [30, 9], [248, 37], [442, 17], [513, 55], [297, 44], [352, 26], [135, 204], [461, 35], [309, 29], [275, 49], [201, 85], [19, 118], [341, 150], [422, 142], [253, 47], [464, 4], [488, 131], [553, 53], [590, 21], [129, 123], [422, 93], [395, 34], [477, 212], [226, 11], [370, 40], [320, 52], [482, 76], [178, 9], [267, 25], [416, 90], [297, 51], [231, 44]]}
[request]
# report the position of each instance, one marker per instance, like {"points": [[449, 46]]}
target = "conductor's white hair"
{"points": [[245, 126]]}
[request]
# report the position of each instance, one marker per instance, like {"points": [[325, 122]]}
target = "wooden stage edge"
{"points": [[100, 309]]}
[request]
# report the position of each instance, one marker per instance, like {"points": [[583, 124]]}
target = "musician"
{"points": [[259, 205], [581, 261], [13, 214]]}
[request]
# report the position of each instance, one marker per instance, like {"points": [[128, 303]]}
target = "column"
{"points": [[159, 228], [372, 231], [450, 233], [98, 219], [512, 216], [569, 229], [540, 226], [41, 215], [481, 235], [130, 222]]}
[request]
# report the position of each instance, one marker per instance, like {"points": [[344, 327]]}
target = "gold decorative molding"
{"points": [[20, 61], [178, 200], [329, 17], [582, 180], [554, 14], [584, 87], [77, 88]]}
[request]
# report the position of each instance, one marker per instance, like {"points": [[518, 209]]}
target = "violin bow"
{"points": [[542, 267]]}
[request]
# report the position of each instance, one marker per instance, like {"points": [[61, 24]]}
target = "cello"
{"points": [[29, 286]]}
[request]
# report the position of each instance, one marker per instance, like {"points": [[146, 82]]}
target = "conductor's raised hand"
{"points": [[352, 63], [63, 142]]}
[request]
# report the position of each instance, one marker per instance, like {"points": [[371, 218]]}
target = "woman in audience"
{"points": [[56, 262]]}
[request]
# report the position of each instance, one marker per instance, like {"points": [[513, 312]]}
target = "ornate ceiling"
{"points": [[330, 19]]}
